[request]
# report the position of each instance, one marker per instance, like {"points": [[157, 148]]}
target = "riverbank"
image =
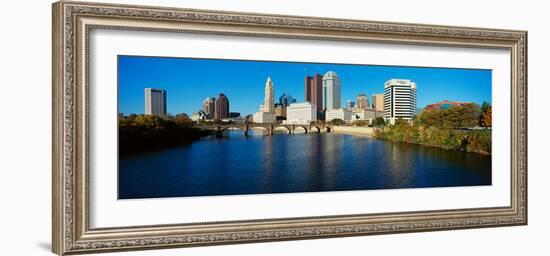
{"points": [[352, 130], [144, 133], [474, 141]]}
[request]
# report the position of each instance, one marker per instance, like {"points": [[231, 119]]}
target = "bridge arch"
{"points": [[282, 127], [232, 128], [315, 129], [263, 128], [227, 129], [300, 126]]}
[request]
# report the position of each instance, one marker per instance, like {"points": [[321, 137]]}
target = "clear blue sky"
{"points": [[189, 81]]}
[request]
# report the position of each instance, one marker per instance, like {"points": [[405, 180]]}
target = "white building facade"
{"points": [[263, 118], [300, 113], [399, 100], [331, 91], [366, 114], [155, 101], [269, 101], [341, 113], [199, 115]]}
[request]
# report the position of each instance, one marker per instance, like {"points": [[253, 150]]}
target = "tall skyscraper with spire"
{"points": [[269, 102], [267, 110]]}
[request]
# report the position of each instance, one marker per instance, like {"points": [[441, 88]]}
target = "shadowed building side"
{"points": [[221, 107], [209, 107], [313, 90], [155, 101]]}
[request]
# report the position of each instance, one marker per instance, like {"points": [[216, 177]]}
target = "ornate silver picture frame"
{"points": [[72, 24]]}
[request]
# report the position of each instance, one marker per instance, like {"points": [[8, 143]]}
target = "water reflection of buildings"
{"points": [[312, 169], [400, 167], [331, 161], [268, 162]]}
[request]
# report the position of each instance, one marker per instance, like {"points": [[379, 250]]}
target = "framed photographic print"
{"points": [[179, 127]]}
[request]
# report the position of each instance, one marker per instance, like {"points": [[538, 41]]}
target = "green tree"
{"points": [[139, 133], [484, 106], [451, 118], [379, 121], [469, 115], [182, 119], [361, 123], [486, 117], [337, 121]]}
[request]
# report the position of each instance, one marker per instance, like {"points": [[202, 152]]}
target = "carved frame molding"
{"points": [[72, 22]]}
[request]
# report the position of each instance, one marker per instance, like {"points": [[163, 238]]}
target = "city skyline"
{"points": [[243, 82]]}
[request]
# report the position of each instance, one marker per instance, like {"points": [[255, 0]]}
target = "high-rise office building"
{"points": [[155, 101], [286, 99], [331, 91], [378, 102], [269, 102], [221, 109], [362, 101], [209, 107], [313, 90], [267, 110], [399, 99]]}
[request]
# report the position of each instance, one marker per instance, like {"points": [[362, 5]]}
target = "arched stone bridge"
{"points": [[289, 128]]}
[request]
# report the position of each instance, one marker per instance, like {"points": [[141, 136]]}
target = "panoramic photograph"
{"points": [[215, 127]]}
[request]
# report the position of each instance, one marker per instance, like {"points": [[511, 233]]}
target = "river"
{"points": [[295, 163]]}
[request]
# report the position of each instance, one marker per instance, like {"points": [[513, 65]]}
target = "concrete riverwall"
{"points": [[366, 131]]}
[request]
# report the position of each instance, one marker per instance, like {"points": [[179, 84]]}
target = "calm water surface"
{"points": [[295, 163]]}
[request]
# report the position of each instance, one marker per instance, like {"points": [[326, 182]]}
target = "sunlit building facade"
{"points": [[301, 113], [399, 100], [331, 91], [341, 113], [362, 101], [199, 116], [266, 113], [366, 114], [378, 102], [209, 106]]}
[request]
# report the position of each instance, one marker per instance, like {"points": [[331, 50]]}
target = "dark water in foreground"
{"points": [[295, 163]]}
